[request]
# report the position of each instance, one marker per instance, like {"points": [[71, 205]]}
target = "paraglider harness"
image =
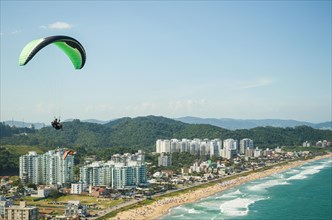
{"points": [[56, 124]]}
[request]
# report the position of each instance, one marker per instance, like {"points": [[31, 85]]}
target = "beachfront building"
{"points": [[122, 171], [21, 212], [230, 149], [306, 144], [322, 144], [205, 167], [278, 150], [215, 147], [195, 168], [257, 152], [49, 168], [246, 144], [267, 152]]}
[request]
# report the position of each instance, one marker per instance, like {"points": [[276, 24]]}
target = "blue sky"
{"points": [[220, 59]]}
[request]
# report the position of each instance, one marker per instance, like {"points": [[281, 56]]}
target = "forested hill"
{"points": [[142, 132], [233, 124]]}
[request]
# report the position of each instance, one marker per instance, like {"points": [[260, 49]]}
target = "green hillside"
{"points": [[143, 132], [130, 134]]}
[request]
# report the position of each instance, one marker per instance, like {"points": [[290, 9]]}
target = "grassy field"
{"points": [[23, 149], [47, 205]]}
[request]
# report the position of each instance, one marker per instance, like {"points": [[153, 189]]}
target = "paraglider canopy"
{"points": [[69, 45], [68, 152]]}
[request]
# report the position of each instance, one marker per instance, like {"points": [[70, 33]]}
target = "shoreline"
{"points": [[161, 207]]}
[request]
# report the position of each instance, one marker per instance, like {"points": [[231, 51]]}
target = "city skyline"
{"points": [[214, 59]]}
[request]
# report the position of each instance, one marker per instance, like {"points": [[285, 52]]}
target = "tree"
{"points": [[16, 182], [20, 189], [32, 185], [214, 158], [54, 194]]}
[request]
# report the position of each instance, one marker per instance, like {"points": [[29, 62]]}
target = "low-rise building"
{"points": [[43, 191], [184, 170], [278, 150], [75, 209], [21, 212], [122, 171], [322, 144], [100, 192], [77, 188], [267, 152], [257, 152], [4, 202], [306, 144]]}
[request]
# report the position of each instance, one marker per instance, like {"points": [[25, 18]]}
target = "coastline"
{"points": [[161, 207]]}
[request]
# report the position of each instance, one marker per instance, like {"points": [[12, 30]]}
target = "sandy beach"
{"points": [[161, 207]]}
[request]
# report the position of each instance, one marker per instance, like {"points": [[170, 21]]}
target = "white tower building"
{"points": [[230, 148]]}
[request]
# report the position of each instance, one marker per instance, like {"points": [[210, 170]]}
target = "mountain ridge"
{"points": [[233, 124], [227, 123], [142, 132]]}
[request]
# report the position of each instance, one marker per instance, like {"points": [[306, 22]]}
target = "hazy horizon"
{"points": [[108, 120]]}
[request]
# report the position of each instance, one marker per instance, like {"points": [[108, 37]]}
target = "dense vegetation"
{"points": [[8, 162], [142, 132], [128, 135]]}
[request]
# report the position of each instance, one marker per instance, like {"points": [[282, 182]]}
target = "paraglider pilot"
{"points": [[56, 124]]}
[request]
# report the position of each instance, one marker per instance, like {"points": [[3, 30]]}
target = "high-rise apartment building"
{"points": [[122, 171], [165, 160], [215, 147], [195, 146], [257, 152], [29, 168], [246, 144], [163, 146], [48, 168], [230, 148]]}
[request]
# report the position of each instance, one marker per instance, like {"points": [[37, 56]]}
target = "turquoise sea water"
{"points": [[303, 193]]}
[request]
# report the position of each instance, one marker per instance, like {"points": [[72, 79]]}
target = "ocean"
{"points": [[303, 193]]}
